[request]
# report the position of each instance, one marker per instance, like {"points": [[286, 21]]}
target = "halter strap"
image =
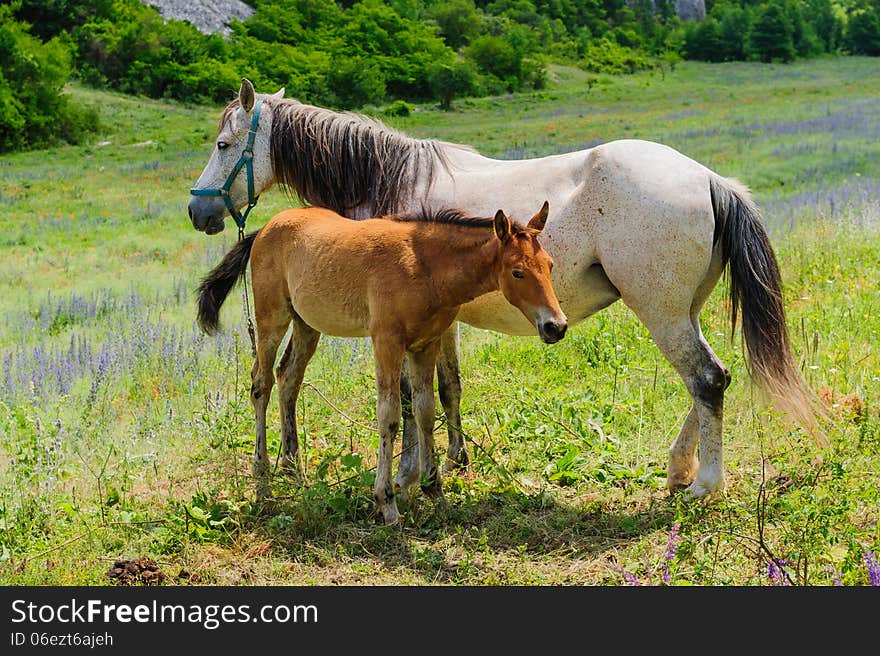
{"points": [[246, 161]]}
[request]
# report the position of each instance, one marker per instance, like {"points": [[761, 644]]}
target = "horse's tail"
{"points": [[756, 295], [215, 287]]}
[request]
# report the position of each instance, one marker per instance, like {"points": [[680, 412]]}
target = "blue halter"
{"points": [[246, 161]]}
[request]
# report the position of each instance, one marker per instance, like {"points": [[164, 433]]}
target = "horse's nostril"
{"points": [[554, 329]]}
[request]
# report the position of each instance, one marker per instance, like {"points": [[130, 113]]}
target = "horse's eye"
{"points": [[518, 274], [222, 145]]}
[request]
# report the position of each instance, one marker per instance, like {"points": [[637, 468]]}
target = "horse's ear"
{"points": [[247, 95], [502, 226], [537, 222], [278, 95]]}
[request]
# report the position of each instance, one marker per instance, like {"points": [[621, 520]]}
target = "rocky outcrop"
{"points": [[690, 9], [685, 9], [208, 16]]}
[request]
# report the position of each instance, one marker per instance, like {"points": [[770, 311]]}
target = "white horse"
{"points": [[631, 220]]}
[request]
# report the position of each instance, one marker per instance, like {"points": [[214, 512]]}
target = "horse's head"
{"points": [[240, 167], [525, 275]]}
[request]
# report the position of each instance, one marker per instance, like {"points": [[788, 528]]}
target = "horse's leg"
{"points": [[706, 378], [389, 357], [290, 372], [408, 467], [421, 369], [683, 464], [269, 336], [449, 388]]}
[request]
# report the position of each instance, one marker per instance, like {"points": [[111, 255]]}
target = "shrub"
{"points": [[34, 111]]}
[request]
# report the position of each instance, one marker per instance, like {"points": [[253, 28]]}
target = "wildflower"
{"points": [[671, 548], [873, 566], [776, 571]]}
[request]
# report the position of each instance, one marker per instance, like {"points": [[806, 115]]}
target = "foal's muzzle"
{"points": [[552, 330]]}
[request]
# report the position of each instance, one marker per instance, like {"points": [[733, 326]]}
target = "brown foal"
{"points": [[400, 280]]}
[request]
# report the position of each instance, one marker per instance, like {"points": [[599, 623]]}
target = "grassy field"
{"points": [[124, 432]]}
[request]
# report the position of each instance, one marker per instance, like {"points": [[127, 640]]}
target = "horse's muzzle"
{"points": [[207, 215], [552, 330]]}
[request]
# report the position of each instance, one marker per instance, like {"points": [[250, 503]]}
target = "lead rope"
{"points": [[247, 306]]}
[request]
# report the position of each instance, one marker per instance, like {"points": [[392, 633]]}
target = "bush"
{"points": [[398, 108], [451, 80], [607, 56], [863, 32], [34, 112], [772, 36]]}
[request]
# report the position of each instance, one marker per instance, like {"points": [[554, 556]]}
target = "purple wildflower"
{"points": [[776, 571], [873, 566], [671, 548]]}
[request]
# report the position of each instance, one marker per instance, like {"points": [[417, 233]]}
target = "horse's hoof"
{"points": [[456, 465], [701, 489], [293, 474], [390, 515], [401, 494], [403, 487]]}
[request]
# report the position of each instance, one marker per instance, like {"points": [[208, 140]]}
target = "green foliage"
{"points": [[34, 111], [772, 35], [863, 31], [770, 30], [608, 56], [451, 80]]}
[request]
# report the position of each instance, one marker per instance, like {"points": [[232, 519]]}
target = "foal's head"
{"points": [[525, 274]]}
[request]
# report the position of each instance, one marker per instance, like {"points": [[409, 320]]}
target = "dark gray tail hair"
{"points": [[756, 297], [215, 287]]}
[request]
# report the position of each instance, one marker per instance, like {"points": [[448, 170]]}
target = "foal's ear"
{"points": [[247, 95], [502, 225], [537, 222]]}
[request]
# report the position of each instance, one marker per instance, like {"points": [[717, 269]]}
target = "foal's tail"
{"points": [[756, 294], [215, 287]]}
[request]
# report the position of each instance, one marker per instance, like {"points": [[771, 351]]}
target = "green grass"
{"points": [[148, 453]]}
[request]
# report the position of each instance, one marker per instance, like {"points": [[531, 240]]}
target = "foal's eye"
{"points": [[222, 145], [518, 274]]}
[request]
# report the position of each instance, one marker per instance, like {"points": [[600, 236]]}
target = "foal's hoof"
{"points": [[676, 483]]}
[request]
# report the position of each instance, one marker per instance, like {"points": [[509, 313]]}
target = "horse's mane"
{"points": [[342, 160], [451, 216]]}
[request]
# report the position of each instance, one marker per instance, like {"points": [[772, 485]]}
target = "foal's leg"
{"points": [[269, 336], [449, 387], [290, 372], [421, 369], [389, 358], [408, 467]]}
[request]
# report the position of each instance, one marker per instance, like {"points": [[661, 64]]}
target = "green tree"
{"points": [[863, 32], [736, 24], [458, 21], [703, 40], [356, 82], [772, 35], [451, 80], [34, 111]]}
